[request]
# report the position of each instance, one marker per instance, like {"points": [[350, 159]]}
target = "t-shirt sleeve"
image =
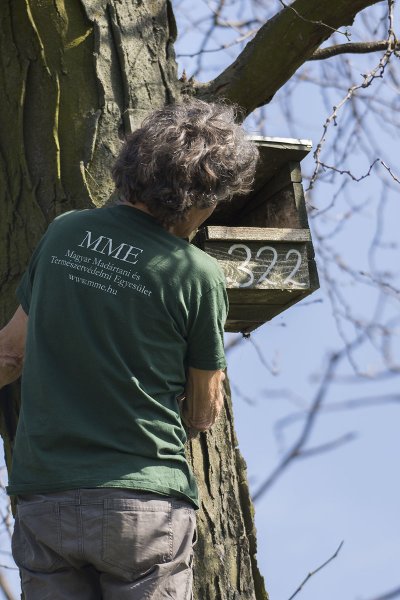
{"points": [[206, 333], [24, 289]]}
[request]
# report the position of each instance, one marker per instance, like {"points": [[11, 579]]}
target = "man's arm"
{"points": [[203, 399], [12, 347]]}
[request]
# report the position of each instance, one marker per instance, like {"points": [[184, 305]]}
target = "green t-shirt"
{"points": [[118, 309]]}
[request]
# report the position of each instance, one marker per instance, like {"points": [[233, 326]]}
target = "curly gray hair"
{"points": [[185, 155]]}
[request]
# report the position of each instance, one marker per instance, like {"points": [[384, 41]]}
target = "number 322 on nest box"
{"points": [[262, 241]]}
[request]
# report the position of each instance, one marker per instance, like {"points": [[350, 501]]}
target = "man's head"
{"points": [[185, 156]]}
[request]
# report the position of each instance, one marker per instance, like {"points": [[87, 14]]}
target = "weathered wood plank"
{"points": [[262, 265], [260, 297], [275, 171], [276, 153], [241, 326], [281, 180], [278, 211], [314, 279], [295, 172], [303, 145], [254, 313], [264, 234], [243, 318], [280, 203], [300, 204]]}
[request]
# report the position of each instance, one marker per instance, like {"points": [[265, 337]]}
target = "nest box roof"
{"points": [[275, 153]]}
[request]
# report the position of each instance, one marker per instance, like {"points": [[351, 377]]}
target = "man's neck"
{"points": [[174, 229], [139, 205], [182, 229]]}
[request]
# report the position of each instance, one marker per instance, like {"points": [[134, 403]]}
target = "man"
{"points": [[121, 325]]}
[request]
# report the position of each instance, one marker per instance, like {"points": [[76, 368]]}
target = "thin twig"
{"points": [[233, 343], [352, 48], [299, 444], [361, 177], [368, 79], [345, 33], [303, 583], [238, 40], [272, 369], [344, 405], [389, 595], [328, 446]]}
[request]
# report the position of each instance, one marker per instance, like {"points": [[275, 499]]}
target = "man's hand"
{"points": [[203, 399], [12, 347]]}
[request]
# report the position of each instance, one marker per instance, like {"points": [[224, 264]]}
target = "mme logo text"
{"points": [[105, 245]]}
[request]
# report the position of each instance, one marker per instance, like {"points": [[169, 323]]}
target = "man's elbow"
{"points": [[10, 369], [205, 422], [202, 426], [12, 347]]}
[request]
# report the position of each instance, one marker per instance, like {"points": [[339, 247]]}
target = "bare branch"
{"points": [[387, 287], [300, 16], [299, 444], [367, 80], [390, 171], [204, 50], [389, 595], [352, 48], [271, 368], [233, 343], [361, 177], [279, 48], [316, 571], [241, 395], [328, 446], [220, 22], [345, 405]]}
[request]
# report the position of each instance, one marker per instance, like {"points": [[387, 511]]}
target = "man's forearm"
{"points": [[203, 399], [10, 369], [200, 421], [12, 347]]}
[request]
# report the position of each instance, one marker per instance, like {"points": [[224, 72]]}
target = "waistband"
{"points": [[83, 496]]}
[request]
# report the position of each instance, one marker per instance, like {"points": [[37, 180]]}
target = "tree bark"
{"points": [[279, 48], [225, 561], [76, 76]]}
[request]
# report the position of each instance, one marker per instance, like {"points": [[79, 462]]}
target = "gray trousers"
{"points": [[104, 543]]}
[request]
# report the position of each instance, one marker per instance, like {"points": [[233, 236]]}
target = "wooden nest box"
{"points": [[262, 241]]}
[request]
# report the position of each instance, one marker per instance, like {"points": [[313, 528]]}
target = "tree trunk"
{"points": [[76, 77], [226, 565]]}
